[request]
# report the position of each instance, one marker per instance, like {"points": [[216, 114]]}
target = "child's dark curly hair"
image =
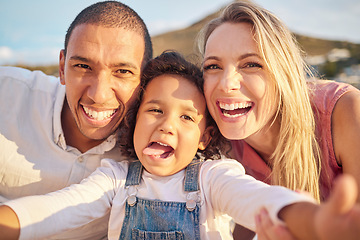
{"points": [[170, 62]]}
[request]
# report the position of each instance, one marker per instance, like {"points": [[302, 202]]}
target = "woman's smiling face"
{"points": [[170, 125], [237, 82]]}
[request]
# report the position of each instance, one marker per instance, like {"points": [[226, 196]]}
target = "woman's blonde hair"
{"points": [[296, 159]]}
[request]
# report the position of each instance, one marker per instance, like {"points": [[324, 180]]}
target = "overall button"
{"points": [[190, 205], [131, 200]]}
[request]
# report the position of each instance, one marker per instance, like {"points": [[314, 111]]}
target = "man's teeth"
{"points": [[99, 116], [234, 106]]}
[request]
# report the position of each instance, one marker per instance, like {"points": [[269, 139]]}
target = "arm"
{"points": [[346, 134], [338, 218], [267, 230], [229, 190], [44, 215], [9, 224]]}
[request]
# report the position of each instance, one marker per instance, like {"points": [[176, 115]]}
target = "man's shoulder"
{"points": [[32, 79]]}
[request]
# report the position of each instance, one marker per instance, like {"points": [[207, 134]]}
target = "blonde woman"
{"points": [[284, 129]]}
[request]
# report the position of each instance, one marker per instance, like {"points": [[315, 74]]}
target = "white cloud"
{"points": [[42, 56], [5, 53]]}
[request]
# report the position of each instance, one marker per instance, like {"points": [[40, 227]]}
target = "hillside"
{"points": [[183, 40]]}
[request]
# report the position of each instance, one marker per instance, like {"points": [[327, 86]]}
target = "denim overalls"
{"points": [[155, 219]]}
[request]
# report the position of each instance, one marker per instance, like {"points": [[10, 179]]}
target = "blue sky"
{"points": [[32, 32]]}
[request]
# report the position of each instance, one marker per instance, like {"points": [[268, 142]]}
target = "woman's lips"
{"points": [[234, 110]]}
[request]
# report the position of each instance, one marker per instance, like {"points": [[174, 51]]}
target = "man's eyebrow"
{"points": [[79, 58], [124, 64], [121, 64]]}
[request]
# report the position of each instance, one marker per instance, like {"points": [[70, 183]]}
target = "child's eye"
{"points": [[155, 110], [188, 118]]}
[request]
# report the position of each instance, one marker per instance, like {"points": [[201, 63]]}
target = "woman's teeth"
{"points": [[234, 110]]}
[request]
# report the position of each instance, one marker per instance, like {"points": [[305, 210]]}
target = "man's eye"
{"points": [[81, 65], [124, 71]]}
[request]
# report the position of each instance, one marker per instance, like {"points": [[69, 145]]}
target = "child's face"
{"points": [[170, 125]]}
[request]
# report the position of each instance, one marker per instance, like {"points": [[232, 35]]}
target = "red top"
{"points": [[326, 94]]}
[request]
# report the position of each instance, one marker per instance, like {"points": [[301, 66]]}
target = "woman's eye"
{"points": [[211, 66], [253, 65]]}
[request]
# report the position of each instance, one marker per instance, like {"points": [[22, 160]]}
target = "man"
{"points": [[55, 134]]}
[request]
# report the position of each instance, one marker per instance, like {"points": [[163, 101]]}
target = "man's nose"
{"points": [[100, 89]]}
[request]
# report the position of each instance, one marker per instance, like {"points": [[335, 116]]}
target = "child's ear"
{"points": [[206, 138]]}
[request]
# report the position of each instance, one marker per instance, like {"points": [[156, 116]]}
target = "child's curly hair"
{"points": [[170, 62]]}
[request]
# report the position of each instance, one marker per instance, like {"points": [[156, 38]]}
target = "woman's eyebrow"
{"points": [[243, 56]]}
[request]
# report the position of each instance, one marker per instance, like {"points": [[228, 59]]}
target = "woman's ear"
{"points": [[206, 138]]}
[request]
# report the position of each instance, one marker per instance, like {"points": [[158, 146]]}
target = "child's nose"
{"points": [[167, 126]]}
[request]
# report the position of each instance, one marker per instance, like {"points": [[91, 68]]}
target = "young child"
{"points": [[170, 192]]}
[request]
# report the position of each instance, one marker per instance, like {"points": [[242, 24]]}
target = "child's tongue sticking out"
{"points": [[158, 149]]}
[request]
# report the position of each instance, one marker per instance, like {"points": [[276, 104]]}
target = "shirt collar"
{"points": [[57, 127]]}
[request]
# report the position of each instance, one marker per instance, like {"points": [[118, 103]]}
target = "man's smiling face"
{"points": [[101, 70]]}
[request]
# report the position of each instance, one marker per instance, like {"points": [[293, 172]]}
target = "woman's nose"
{"points": [[231, 81]]}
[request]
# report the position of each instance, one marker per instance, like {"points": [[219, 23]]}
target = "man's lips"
{"points": [[158, 150], [99, 115], [234, 110]]}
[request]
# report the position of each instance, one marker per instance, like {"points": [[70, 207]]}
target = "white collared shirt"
{"points": [[34, 157]]}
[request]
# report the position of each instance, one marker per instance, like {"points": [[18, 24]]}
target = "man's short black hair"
{"points": [[113, 14]]}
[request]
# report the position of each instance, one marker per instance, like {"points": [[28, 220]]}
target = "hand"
{"points": [[339, 217], [267, 230]]}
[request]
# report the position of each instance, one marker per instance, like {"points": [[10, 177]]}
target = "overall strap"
{"points": [[134, 173], [191, 183]]}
